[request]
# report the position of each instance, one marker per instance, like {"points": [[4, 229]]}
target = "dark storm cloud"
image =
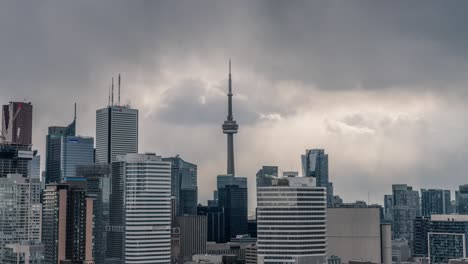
{"points": [[290, 59]]}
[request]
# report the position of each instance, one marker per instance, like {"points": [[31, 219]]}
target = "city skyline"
{"points": [[396, 119]]}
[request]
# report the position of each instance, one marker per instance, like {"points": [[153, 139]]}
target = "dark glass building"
{"points": [[461, 198], [435, 201], [232, 196], [265, 175], [215, 223], [98, 187], [15, 159], [315, 164], [53, 150], [184, 186]]}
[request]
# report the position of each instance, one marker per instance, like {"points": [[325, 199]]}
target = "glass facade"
{"points": [[184, 186], [315, 164], [232, 196], [435, 202]]}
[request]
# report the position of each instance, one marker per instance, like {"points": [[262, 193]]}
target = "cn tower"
{"points": [[230, 128]]}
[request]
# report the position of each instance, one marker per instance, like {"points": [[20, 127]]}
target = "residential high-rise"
{"points": [[98, 187], [17, 123], [116, 132], [291, 220], [15, 159], [232, 196], [315, 164], [461, 197], [388, 207], [230, 128], [435, 201], [184, 186], [67, 222], [265, 175], [140, 210], [20, 211], [444, 237], [406, 208]]}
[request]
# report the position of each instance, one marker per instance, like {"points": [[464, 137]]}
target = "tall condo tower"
{"points": [[17, 123], [116, 130], [230, 128]]}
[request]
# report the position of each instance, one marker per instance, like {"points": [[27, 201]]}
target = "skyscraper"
{"points": [[17, 123], [67, 153], [15, 159], [291, 220], [116, 132], [406, 208], [184, 186], [232, 196], [435, 201], [20, 211], [98, 187], [388, 207], [461, 197], [67, 222], [215, 221], [265, 175], [230, 128], [140, 210], [53, 169], [315, 164]]}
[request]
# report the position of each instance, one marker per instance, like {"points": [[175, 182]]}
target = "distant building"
{"points": [[193, 236], [265, 175], [98, 187], [20, 211], [315, 164], [213, 259], [139, 218], [228, 249], [25, 252], [215, 223], [184, 186], [251, 254], [232, 196], [291, 220], [461, 197], [401, 252], [17, 123], [15, 159], [388, 207], [435, 201], [35, 166], [116, 132], [406, 208], [67, 222]]}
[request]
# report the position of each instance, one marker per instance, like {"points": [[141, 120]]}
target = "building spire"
{"points": [[230, 128]]}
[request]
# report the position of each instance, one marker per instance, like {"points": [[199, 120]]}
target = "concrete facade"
{"points": [[354, 234]]}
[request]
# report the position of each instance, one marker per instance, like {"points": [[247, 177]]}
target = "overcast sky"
{"points": [[381, 86]]}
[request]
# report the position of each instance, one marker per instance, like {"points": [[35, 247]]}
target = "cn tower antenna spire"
{"points": [[230, 128]]}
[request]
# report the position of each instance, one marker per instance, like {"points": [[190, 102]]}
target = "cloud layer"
{"points": [[380, 86]]}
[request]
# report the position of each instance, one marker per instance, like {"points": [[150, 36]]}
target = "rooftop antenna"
{"points": [[119, 90], [112, 101], [74, 117]]}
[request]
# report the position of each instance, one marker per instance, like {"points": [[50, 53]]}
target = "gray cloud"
{"points": [[386, 80]]}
